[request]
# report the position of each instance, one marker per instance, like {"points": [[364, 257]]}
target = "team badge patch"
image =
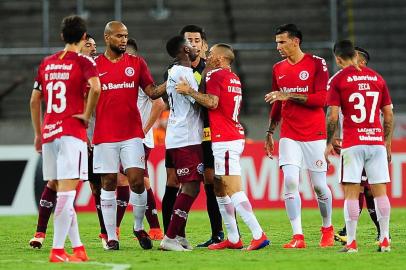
{"points": [[319, 163], [129, 71], [304, 75], [200, 168]]}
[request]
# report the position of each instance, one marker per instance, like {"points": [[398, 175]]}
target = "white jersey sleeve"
{"points": [[144, 104], [185, 123]]}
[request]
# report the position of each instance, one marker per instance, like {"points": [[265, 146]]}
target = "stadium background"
{"points": [[30, 30]]}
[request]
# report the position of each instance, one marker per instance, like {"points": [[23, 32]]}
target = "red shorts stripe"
{"points": [[226, 165]]}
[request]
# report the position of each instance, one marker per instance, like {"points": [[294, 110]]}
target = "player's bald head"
{"points": [[224, 50], [114, 26]]}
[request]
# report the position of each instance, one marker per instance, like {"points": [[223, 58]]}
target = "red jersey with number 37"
{"points": [[117, 115], [224, 123], [301, 122], [361, 95], [62, 79]]}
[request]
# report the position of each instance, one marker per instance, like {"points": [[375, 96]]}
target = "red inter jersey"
{"points": [[361, 95], [301, 122], [117, 115], [224, 123], [62, 78]]}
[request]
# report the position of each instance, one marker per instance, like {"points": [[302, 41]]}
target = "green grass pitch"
{"points": [[15, 252]]}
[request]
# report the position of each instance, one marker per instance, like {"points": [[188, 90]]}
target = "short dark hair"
{"points": [[193, 29], [89, 36], [291, 29], [344, 49], [364, 53], [174, 45], [73, 27], [132, 43]]}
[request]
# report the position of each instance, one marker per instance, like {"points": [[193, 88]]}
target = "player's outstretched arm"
{"points": [[388, 122], [154, 91], [35, 107], [206, 100]]}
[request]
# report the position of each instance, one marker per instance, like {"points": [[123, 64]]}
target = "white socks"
{"points": [[244, 209], [64, 213], [108, 206], [139, 202], [227, 213], [351, 214], [74, 231], [382, 208], [324, 197], [293, 203]]}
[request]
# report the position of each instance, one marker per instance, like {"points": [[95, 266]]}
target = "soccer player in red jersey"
{"points": [[362, 94], [299, 85], [48, 196], [62, 81], [365, 191], [223, 99], [118, 130]]}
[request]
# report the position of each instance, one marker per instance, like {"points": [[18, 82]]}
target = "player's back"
{"points": [[185, 124], [63, 81], [224, 120], [361, 93]]}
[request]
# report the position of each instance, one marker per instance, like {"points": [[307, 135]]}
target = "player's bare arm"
{"points": [[206, 100], [154, 91], [35, 105], [388, 129], [269, 142], [158, 105], [92, 98], [282, 96], [332, 125]]}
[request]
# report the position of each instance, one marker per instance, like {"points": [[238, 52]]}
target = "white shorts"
{"points": [[107, 157], [227, 157], [64, 158], [305, 155], [371, 157]]}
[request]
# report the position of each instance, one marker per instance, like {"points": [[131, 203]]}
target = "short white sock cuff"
{"points": [[71, 193], [223, 200], [238, 198], [107, 195], [138, 199]]}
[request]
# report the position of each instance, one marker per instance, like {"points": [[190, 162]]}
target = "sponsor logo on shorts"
{"points": [[142, 158], [129, 71], [319, 163], [200, 168], [183, 171]]}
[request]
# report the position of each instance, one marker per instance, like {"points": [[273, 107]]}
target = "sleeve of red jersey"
{"points": [[318, 98], [213, 84], [276, 110], [89, 67], [38, 80], [333, 96], [386, 99], [145, 75]]}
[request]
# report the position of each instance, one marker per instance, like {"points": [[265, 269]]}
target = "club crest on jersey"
{"points": [[129, 71], [304, 75], [200, 168], [319, 163]]}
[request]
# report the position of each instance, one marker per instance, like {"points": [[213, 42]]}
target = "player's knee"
{"points": [[191, 188], [172, 179], [291, 183], [109, 182]]}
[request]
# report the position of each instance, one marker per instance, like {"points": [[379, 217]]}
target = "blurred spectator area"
{"points": [[249, 25]]}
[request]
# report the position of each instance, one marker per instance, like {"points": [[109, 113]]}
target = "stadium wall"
{"points": [[262, 180]]}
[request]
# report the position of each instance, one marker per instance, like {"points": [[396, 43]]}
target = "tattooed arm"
{"points": [[388, 129], [206, 100], [332, 124], [154, 91]]}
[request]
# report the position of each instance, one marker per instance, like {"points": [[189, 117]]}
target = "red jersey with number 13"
{"points": [[224, 123], [62, 78], [301, 122], [361, 95]]}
